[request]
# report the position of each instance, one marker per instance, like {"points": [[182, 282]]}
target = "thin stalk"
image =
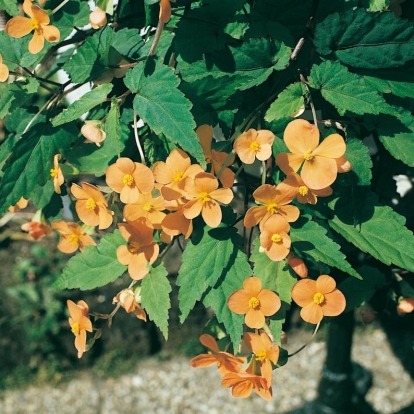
{"points": [[59, 7], [307, 343], [141, 152]]}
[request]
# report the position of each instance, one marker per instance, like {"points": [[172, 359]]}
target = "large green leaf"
{"points": [[73, 13], [10, 7], [238, 269], [358, 155], [162, 106], [310, 238], [206, 258], [30, 163], [155, 296], [83, 104], [338, 86], [95, 266], [366, 40], [379, 232]]}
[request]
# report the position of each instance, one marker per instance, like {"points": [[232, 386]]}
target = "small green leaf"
{"points": [[338, 86], [155, 296], [95, 266], [380, 232], [83, 104], [162, 106], [288, 103], [113, 129], [106, 5]]}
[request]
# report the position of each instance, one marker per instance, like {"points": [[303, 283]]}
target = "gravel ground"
{"points": [[173, 387]]}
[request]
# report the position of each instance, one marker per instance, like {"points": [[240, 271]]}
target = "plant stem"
{"points": [[307, 343], [141, 152]]}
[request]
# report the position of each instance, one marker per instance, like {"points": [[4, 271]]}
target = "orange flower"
{"points": [[140, 250], [215, 158], [39, 20], [319, 167], [72, 236], [36, 229], [146, 206], [56, 174], [254, 302], [91, 206], [97, 19], [274, 200], [265, 352], [205, 194], [254, 144], [297, 265], [93, 131], [242, 383], [405, 306], [305, 194], [21, 204], [173, 171], [129, 179], [130, 301], [80, 323], [176, 223], [4, 70], [225, 362], [318, 298], [274, 238]]}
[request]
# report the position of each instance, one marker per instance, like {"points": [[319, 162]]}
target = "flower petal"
{"points": [[238, 302], [289, 162], [18, 27], [209, 342], [211, 213], [325, 284], [301, 136], [319, 173], [36, 43], [332, 146], [269, 302], [312, 313], [252, 285], [304, 291], [335, 303], [51, 33], [254, 318]]}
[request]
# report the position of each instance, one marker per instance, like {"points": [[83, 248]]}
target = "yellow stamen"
{"points": [[318, 298], [178, 176], [73, 238], [76, 328], [147, 207], [90, 204], [276, 238], [273, 208], [260, 355], [128, 180], [134, 247], [254, 302], [303, 190], [255, 146], [308, 155], [34, 24], [54, 173], [203, 197]]}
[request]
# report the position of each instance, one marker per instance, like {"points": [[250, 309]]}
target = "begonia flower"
{"points": [[273, 200], [36, 229], [318, 298], [72, 236], [254, 144], [4, 70], [38, 22], [254, 302], [319, 167], [129, 179], [204, 196], [172, 173], [56, 174], [274, 238], [175, 222], [140, 251], [265, 352], [91, 206], [80, 323], [225, 362], [128, 300]]}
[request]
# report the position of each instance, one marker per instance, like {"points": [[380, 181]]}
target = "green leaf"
{"points": [[288, 103], [311, 238], [106, 5], [376, 5], [95, 266], [358, 155], [10, 7], [338, 86], [380, 232], [30, 163], [113, 129], [238, 269], [366, 40], [162, 106], [155, 296], [205, 259], [73, 13], [127, 42]]}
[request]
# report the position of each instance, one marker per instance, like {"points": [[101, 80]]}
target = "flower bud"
{"points": [[92, 131], [98, 19], [298, 266], [405, 306]]}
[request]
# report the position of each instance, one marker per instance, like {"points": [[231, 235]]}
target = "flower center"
{"points": [[34, 24], [73, 238], [128, 180], [260, 355], [90, 204], [308, 155], [54, 173], [178, 176], [134, 247], [273, 208], [203, 197], [303, 190], [147, 207], [255, 146], [318, 298], [254, 302], [276, 238], [75, 328]]}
